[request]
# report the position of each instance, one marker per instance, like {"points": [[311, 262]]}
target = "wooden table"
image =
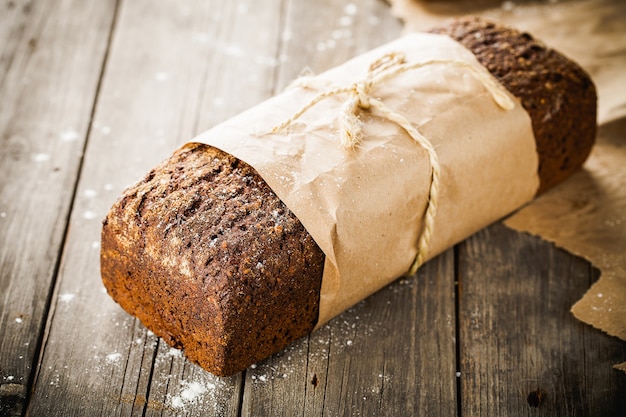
{"points": [[94, 93]]}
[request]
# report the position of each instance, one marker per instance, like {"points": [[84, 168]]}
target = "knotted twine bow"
{"points": [[351, 132]]}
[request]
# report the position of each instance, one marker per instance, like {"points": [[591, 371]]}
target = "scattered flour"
{"points": [[190, 394], [161, 76], [69, 135], [114, 357], [346, 20], [262, 378], [176, 353], [41, 157], [66, 298], [507, 5], [350, 9]]}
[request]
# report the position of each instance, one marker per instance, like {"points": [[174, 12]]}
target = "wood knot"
{"points": [[535, 398], [314, 381]]}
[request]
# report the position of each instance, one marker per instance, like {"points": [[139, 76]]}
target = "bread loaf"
{"points": [[204, 253]]}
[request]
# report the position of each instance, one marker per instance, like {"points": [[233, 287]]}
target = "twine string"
{"points": [[359, 97]]}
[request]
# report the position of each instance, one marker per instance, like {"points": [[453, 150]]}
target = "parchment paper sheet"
{"points": [[587, 214], [364, 206]]}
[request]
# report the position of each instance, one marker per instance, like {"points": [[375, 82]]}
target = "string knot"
{"points": [[351, 131], [362, 91]]}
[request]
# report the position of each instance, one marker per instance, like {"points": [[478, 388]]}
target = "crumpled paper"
{"points": [[586, 215]]}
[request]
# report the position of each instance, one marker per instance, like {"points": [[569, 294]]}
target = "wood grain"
{"points": [[159, 76], [128, 82], [374, 359], [49, 73], [521, 348]]}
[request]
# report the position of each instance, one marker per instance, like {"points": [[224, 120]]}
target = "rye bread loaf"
{"points": [[204, 253]]}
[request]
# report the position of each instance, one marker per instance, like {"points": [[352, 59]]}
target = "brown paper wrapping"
{"points": [[364, 206]]}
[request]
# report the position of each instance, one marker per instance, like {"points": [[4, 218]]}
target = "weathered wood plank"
{"points": [[50, 65], [176, 68], [391, 354], [173, 67], [317, 36], [406, 364], [520, 346]]}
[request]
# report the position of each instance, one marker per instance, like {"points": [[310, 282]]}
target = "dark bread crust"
{"points": [[204, 253], [557, 94], [208, 258]]}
